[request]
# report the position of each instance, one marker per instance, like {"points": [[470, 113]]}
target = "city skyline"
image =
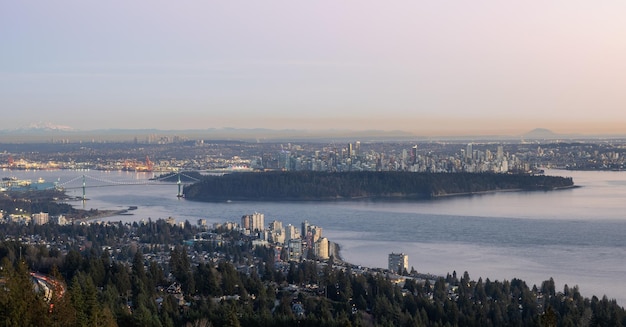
{"points": [[441, 69]]}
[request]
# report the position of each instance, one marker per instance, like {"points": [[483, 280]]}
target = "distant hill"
{"points": [[541, 133], [546, 134]]}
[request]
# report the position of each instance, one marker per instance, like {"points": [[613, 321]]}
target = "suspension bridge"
{"points": [[86, 181]]}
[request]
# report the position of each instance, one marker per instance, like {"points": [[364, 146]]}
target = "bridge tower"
{"points": [[180, 190], [84, 187]]}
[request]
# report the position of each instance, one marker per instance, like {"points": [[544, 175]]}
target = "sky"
{"points": [[487, 67]]}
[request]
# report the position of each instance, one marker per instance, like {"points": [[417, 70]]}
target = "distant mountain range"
{"points": [[46, 127], [47, 132], [546, 134], [50, 132], [543, 134]]}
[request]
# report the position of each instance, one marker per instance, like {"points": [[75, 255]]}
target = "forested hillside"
{"points": [[143, 275], [350, 185]]}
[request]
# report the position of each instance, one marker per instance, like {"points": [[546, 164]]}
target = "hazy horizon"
{"points": [[427, 68]]}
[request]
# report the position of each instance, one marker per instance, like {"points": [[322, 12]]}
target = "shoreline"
{"points": [[107, 213], [504, 191], [389, 198]]}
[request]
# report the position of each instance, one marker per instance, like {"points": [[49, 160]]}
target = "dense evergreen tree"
{"points": [[307, 185], [20, 305], [243, 286]]}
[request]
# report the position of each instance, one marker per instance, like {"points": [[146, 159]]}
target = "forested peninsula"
{"points": [[324, 186]]}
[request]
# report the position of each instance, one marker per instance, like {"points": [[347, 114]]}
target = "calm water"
{"points": [[576, 236]]}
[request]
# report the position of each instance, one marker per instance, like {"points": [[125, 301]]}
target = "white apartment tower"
{"points": [[291, 232], [398, 262], [316, 233], [254, 222], [40, 218], [321, 249], [276, 225]]}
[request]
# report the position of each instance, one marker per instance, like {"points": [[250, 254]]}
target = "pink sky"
{"points": [[428, 67]]}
